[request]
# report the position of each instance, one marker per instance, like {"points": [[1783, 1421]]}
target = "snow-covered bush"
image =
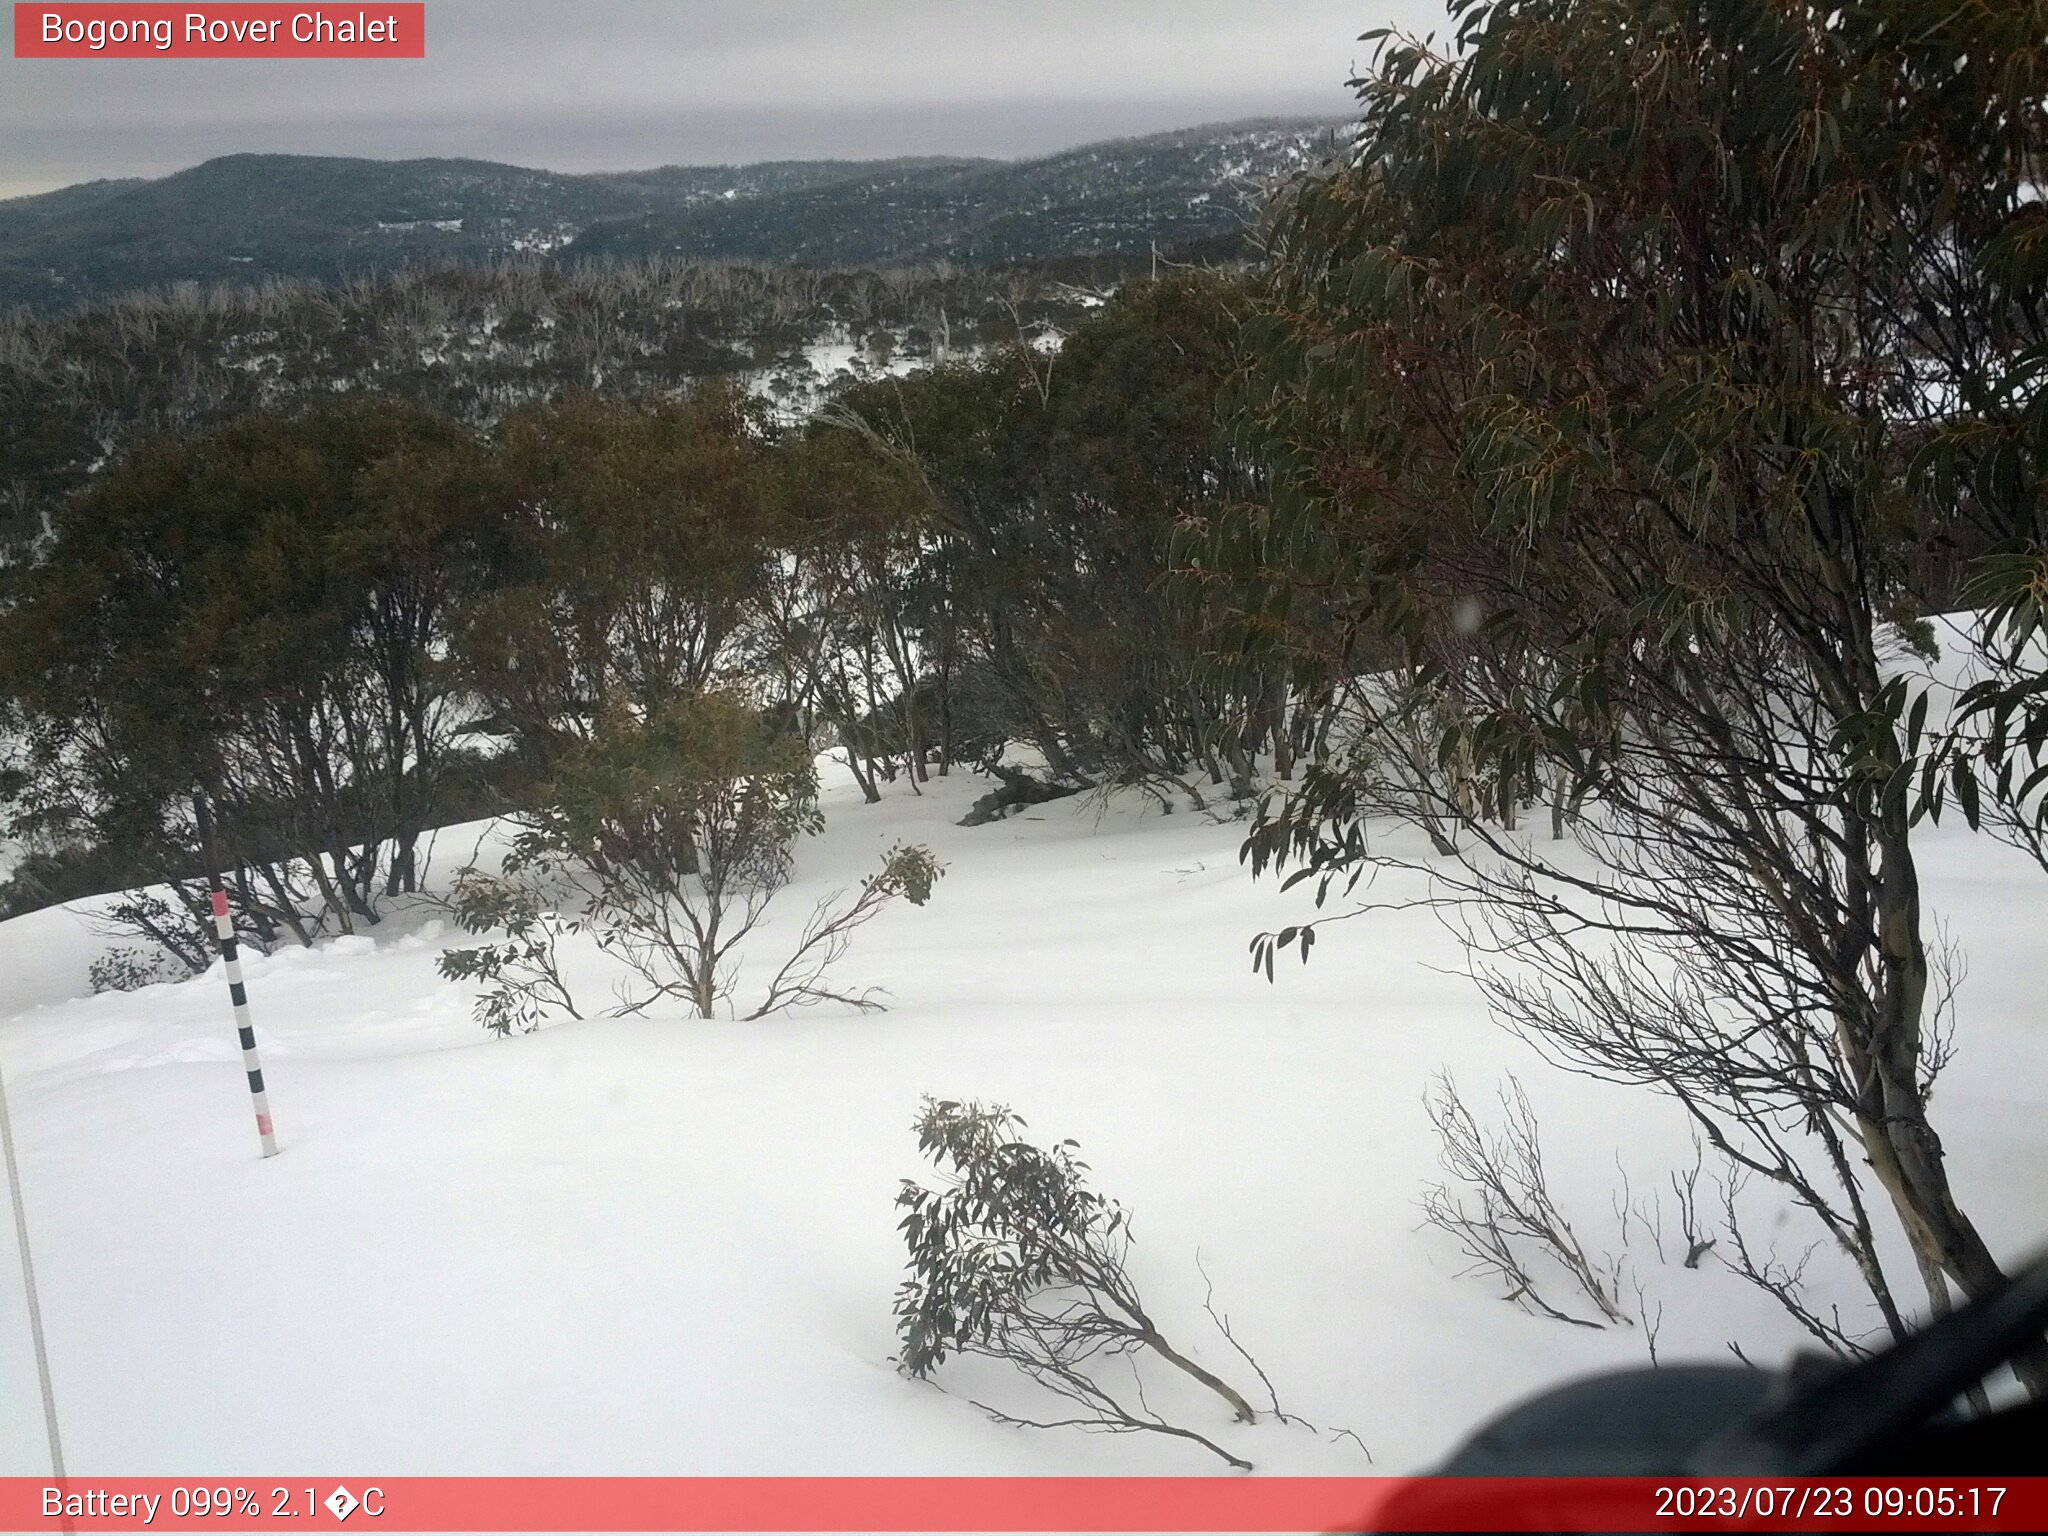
{"points": [[129, 969], [1018, 1260], [522, 971], [1499, 1207], [675, 832]]}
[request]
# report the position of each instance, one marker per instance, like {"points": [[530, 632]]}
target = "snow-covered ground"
{"points": [[795, 386], [664, 1246]]}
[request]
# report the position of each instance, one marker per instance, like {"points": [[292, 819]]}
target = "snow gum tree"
{"points": [[687, 818], [1017, 1259], [1592, 383], [618, 645], [1053, 487], [630, 548], [257, 615], [672, 834], [859, 619]]}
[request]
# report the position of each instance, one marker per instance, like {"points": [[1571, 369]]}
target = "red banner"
{"points": [[262, 31], [920, 1504]]}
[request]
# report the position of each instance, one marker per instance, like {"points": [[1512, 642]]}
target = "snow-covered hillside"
{"points": [[656, 1245]]}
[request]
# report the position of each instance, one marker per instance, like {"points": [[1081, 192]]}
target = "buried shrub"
{"points": [[909, 871], [1499, 1207], [675, 832], [129, 969], [522, 974], [1018, 1260]]}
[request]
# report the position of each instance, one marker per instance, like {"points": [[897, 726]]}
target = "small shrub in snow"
{"points": [[129, 969], [1502, 1212], [676, 832], [1018, 1260], [687, 823], [908, 871], [522, 974]]}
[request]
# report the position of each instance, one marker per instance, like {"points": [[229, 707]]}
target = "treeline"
{"points": [[80, 388], [344, 625], [252, 217]]}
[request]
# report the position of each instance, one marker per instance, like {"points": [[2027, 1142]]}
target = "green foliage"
{"points": [[1016, 1219], [629, 547], [683, 823], [522, 973], [704, 786], [129, 969], [1643, 375], [1056, 486], [675, 833], [908, 871], [43, 879], [80, 388], [1609, 303], [302, 613], [1998, 742], [255, 615], [1018, 1260]]}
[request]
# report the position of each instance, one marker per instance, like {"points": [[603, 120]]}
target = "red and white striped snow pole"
{"points": [[224, 928]]}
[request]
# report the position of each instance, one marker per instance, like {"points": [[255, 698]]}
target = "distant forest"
{"points": [[470, 289], [245, 219], [472, 342]]}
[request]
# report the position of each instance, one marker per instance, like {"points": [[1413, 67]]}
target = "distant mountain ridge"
{"points": [[244, 218]]}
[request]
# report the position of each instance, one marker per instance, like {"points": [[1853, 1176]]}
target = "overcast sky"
{"points": [[622, 84]]}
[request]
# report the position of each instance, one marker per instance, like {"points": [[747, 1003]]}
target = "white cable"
{"points": [[28, 1282]]}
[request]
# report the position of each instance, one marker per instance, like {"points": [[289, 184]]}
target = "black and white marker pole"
{"points": [[224, 928]]}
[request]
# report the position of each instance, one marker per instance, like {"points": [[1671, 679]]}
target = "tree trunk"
{"points": [[1905, 1153], [1215, 1384], [863, 778]]}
